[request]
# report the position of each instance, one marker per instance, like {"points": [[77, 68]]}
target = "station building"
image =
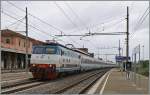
{"points": [[13, 49]]}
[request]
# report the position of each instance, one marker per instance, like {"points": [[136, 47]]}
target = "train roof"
{"points": [[74, 49]]}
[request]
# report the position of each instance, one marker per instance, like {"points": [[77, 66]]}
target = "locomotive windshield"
{"points": [[38, 50], [50, 50], [44, 50]]}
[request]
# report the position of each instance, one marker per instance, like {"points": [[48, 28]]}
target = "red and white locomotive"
{"points": [[51, 59]]}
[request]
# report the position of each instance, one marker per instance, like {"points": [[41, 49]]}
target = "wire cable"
{"points": [[16, 22], [75, 14], [30, 25], [65, 14], [138, 23], [38, 19], [142, 19]]}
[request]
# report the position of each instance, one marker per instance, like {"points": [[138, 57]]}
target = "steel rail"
{"points": [[78, 82], [21, 86]]}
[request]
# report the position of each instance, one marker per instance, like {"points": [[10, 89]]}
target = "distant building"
{"points": [[86, 51], [13, 49], [83, 49], [92, 54]]}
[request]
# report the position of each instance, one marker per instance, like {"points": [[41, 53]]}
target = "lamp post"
{"points": [[143, 52]]}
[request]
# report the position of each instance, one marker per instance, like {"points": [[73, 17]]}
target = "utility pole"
{"points": [[127, 33], [122, 51], [135, 68], [139, 53], [98, 53], [143, 52], [106, 58], [119, 49], [119, 55], [26, 65]]}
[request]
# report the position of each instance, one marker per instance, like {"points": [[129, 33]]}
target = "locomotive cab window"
{"points": [[62, 52], [38, 50], [50, 50]]}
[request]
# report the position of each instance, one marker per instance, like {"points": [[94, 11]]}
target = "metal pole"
{"points": [[132, 66], [122, 51], [139, 53], [139, 66], [98, 53], [0, 36], [135, 68], [106, 57], [149, 47], [119, 49], [119, 55], [127, 33], [143, 52], [26, 66]]}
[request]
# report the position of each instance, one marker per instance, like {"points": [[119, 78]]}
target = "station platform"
{"points": [[13, 71], [6, 77], [115, 82]]}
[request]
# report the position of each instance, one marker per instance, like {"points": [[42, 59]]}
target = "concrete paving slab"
{"points": [[115, 82], [118, 84]]}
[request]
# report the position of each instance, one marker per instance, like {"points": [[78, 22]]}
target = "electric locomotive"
{"points": [[50, 60]]}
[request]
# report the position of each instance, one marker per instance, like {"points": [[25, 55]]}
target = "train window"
{"points": [[38, 50], [69, 60], [50, 50], [62, 52], [69, 53], [79, 56]]}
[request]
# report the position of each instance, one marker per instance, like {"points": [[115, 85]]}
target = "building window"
{"points": [[24, 44], [8, 41], [19, 42], [28, 44]]}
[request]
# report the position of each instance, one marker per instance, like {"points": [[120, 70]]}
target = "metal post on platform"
{"points": [[139, 67], [143, 52], [135, 68], [119, 55], [132, 66], [139, 53]]}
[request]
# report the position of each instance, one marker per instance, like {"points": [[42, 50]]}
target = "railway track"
{"points": [[13, 83], [19, 86], [15, 76], [72, 84], [80, 86]]}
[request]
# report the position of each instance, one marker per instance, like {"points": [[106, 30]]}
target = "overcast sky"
{"points": [[80, 17]]}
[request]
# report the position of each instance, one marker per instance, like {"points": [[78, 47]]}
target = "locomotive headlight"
{"points": [[33, 65], [50, 65]]}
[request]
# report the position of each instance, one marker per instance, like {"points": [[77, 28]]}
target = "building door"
{"points": [[19, 61]]}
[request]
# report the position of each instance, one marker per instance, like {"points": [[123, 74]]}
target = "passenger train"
{"points": [[50, 60]]}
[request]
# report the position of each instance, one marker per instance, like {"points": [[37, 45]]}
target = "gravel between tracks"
{"points": [[55, 85], [16, 83], [84, 85], [20, 87], [13, 76]]}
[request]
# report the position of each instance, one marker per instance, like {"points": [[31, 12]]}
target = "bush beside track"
{"points": [[143, 67]]}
